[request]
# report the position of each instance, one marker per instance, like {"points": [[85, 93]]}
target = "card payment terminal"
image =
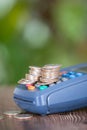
{"points": [[69, 93]]}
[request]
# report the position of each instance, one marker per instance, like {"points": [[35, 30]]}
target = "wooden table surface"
{"points": [[76, 120]]}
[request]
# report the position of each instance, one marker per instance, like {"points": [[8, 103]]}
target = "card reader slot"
{"points": [[25, 100]]}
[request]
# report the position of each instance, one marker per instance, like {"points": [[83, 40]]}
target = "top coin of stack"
{"points": [[50, 73]]}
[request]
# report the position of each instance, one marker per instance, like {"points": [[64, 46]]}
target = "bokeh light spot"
{"points": [[36, 33], [6, 6]]}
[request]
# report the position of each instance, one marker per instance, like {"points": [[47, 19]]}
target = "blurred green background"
{"points": [[38, 32]]}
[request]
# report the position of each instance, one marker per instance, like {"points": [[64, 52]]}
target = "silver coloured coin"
{"points": [[52, 66], [11, 113], [23, 116]]}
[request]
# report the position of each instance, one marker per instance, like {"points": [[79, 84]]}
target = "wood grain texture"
{"points": [[76, 120]]}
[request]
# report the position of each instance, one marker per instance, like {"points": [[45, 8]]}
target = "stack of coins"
{"points": [[50, 74], [35, 72], [42, 76], [32, 76]]}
